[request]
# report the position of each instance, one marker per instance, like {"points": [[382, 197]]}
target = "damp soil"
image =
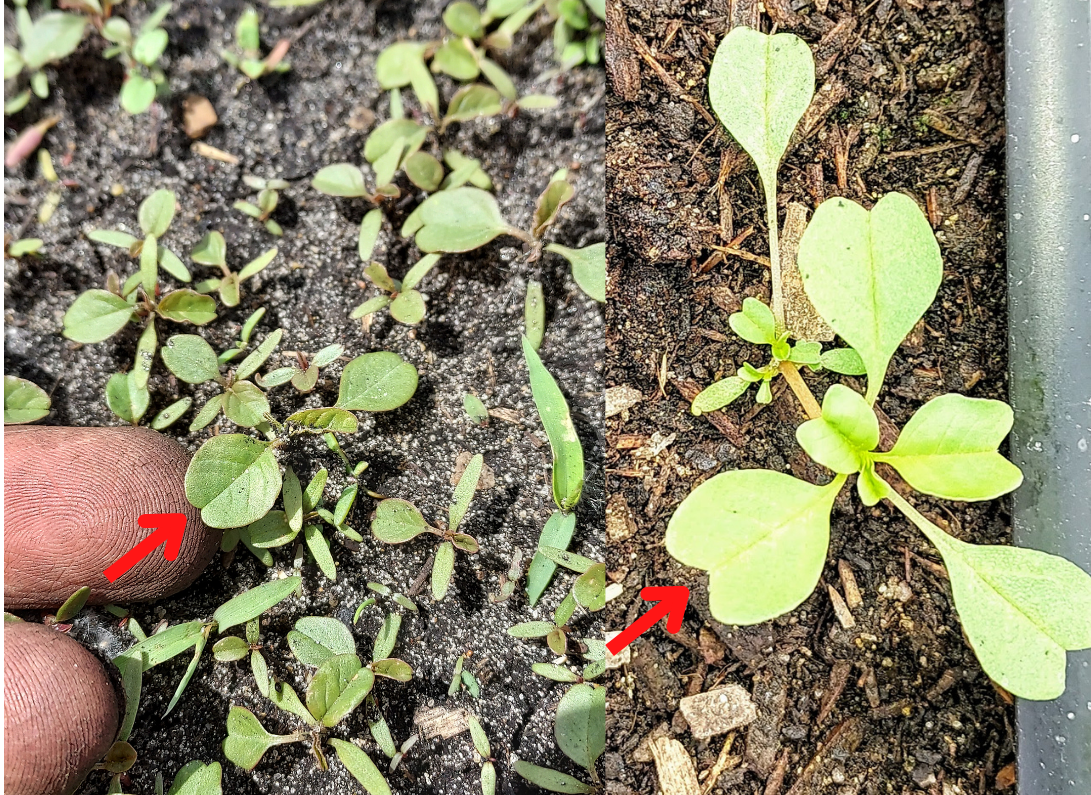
{"points": [[910, 99], [289, 126]]}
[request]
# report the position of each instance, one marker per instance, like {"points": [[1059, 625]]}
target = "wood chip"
{"points": [[842, 740], [507, 415], [724, 762], [839, 677], [212, 153], [620, 522], [198, 116], [676, 771], [439, 722], [1006, 777], [620, 398], [800, 316], [718, 711], [643, 752], [840, 609], [848, 581]]}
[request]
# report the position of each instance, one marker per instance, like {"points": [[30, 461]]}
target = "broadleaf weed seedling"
{"points": [[580, 733], [211, 250], [871, 275], [247, 56], [24, 401], [397, 521], [268, 197]]}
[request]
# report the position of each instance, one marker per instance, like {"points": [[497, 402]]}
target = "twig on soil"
{"points": [[724, 762], [925, 150], [738, 252], [645, 52]]}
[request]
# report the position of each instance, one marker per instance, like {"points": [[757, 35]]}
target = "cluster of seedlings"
{"points": [[871, 276], [237, 479]]}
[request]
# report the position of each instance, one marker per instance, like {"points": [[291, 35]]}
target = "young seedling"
{"points": [[484, 750], [509, 579], [23, 401], [756, 324], [67, 611], [763, 535], [555, 632], [211, 250], [463, 678], [17, 249], [139, 55], [234, 479], [475, 409], [247, 54], [405, 303], [304, 376], [339, 685], [397, 521], [51, 37], [268, 197], [580, 732]]}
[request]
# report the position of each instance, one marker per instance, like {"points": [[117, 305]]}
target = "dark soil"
{"points": [[289, 126], [910, 99]]}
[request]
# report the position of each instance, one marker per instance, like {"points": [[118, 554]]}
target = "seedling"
{"points": [[139, 54], [580, 731], [397, 521], [588, 267], [69, 610], [304, 376], [17, 249], [555, 632], [756, 324], [509, 579], [211, 250], [23, 401], [339, 685], [475, 409], [268, 197], [484, 750], [51, 37], [247, 54], [462, 678], [405, 303]]}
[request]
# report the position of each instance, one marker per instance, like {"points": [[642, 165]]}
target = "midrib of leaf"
{"points": [[837, 482]]}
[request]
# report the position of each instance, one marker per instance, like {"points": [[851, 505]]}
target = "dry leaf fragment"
{"points": [[212, 153], [619, 398], [718, 711]]}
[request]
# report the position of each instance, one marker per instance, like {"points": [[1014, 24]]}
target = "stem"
{"points": [[770, 186], [940, 539], [802, 391]]}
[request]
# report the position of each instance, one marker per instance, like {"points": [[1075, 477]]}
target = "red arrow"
{"points": [[672, 604], [172, 526]]}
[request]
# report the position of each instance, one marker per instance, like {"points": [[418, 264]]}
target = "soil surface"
{"points": [[289, 126], [909, 98]]}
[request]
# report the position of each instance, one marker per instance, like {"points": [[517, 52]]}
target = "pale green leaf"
{"points": [[319, 547], [190, 358], [233, 479], [719, 394], [408, 307], [340, 179], [52, 37], [581, 724], [96, 315], [534, 314], [251, 604], [588, 267], [361, 767], [330, 419], [210, 250], [464, 491], [247, 740], [127, 400], [460, 219], [187, 306], [23, 401], [156, 212], [567, 452], [258, 356], [557, 533], [845, 433], [397, 521], [552, 780], [755, 323], [171, 414], [369, 233], [378, 381], [443, 568], [386, 637], [271, 530]]}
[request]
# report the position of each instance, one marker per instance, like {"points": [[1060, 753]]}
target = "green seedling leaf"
{"points": [[463, 19], [419, 271], [314, 640], [563, 613], [157, 211], [387, 165], [164, 645], [755, 323], [197, 778], [292, 495], [567, 452], [552, 780], [464, 491], [557, 533], [149, 46], [364, 605], [340, 179], [555, 672], [51, 37], [465, 543], [312, 495], [258, 356], [258, 264], [172, 264], [198, 649], [187, 306], [534, 314], [378, 275], [319, 548], [233, 479], [845, 433], [119, 758], [532, 629], [464, 169], [386, 135], [328, 419], [394, 669], [480, 739], [719, 394], [456, 680], [260, 670], [127, 400], [376, 382], [360, 766], [245, 404], [759, 86], [590, 588], [155, 19], [397, 521], [230, 649], [287, 700], [271, 530], [96, 315], [344, 504], [249, 325], [28, 245], [871, 276], [369, 233], [404, 601], [588, 267], [132, 674], [229, 289], [424, 171], [73, 604], [23, 401], [330, 680], [581, 724], [843, 360], [1020, 608], [247, 741], [327, 355], [949, 449], [557, 642], [460, 219], [207, 413], [762, 560], [442, 570], [190, 358], [408, 308], [570, 560], [113, 238], [350, 697], [210, 250], [251, 604], [387, 637], [304, 380], [538, 102], [556, 195], [475, 409]]}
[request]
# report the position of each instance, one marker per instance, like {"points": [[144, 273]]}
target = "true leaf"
{"points": [[197, 778], [557, 532], [719, 394], [557, 194], [127, 400], [464, 491], [230, 649], [247, 740], [258, 356], [443, 568], [285, 698], [581, 724], [552, 780], [392, 668], [245, 404], [157, 211], [384, 137], [149, 46], [590, 588], [473, 102], [459, 220], [764, 557], [847, 430], [187, 306], [397, 521], [210, 250], [23, 401], [386, 637], [424, 171], [96, 315], [949, 449], [329, 681], [258, 264], [565, 444], [871, 276], [271, 530], [319, 548], [233, 480], [754, 323], [378, 381], [419, 271], [190, 358], [351, 696], [52, 37], [251, 604], [588, 267], [408, 307], [137, 93], [843, 360], [340, 179]]}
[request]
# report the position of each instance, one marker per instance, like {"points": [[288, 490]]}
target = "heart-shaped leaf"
{"points": [[247, 741]]}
